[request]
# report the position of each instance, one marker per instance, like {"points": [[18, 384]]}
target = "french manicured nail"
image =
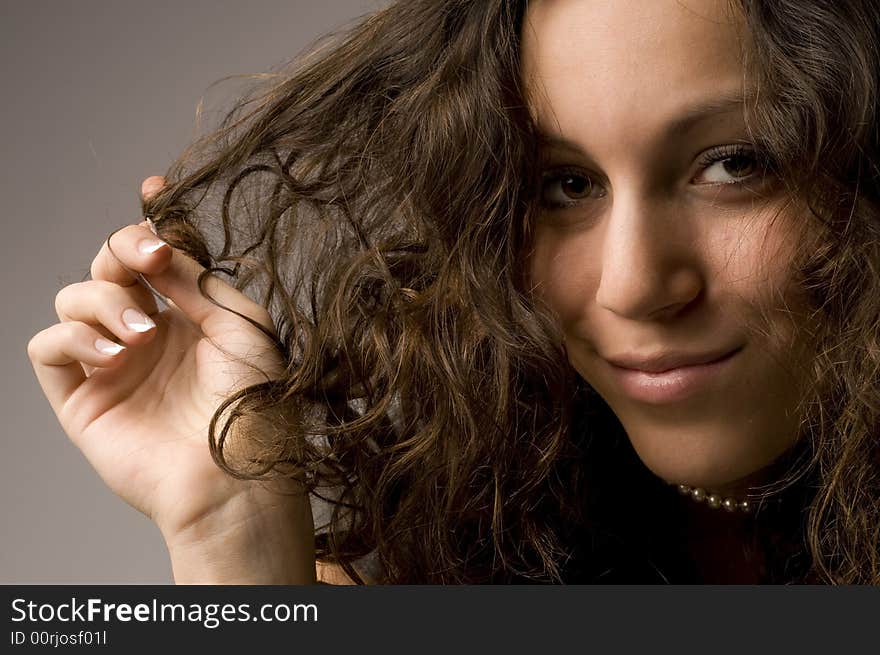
{"points": [[137, 321], [149, 246], [108, 347]]}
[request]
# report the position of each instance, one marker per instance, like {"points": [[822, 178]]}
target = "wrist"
{"points": [[247, 542], [238, 562]]}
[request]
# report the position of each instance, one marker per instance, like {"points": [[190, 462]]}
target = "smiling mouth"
{"points": [[669, 361], [673, 378]]}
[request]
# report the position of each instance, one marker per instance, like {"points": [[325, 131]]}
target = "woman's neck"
{"points": [[723, 546], [732, 547]]}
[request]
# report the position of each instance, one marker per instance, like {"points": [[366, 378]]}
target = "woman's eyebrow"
{"points": [[701, 110], [557, 142], [684, 121]]}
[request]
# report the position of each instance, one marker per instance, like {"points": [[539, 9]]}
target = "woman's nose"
{"points": [[651, 264]]}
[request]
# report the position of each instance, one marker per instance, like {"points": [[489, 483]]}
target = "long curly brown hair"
{"points": [[377, 196]]}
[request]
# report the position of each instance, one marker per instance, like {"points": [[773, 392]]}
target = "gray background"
{"points": [[97, 95]]}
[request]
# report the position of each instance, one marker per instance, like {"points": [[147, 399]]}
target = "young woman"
{"points": [[560, 290]]}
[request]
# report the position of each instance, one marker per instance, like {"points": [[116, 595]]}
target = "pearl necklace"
{"points": [[714, 501]]}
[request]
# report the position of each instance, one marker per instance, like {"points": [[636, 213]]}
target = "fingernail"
{"points": [[149, 246], [108, 347], [137, 321]]}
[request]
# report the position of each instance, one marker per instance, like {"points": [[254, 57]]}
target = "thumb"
{"points": [[151, 186], [178, 283]]}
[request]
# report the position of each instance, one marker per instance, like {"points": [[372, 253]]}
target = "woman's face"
{"points": [[660, 240]]}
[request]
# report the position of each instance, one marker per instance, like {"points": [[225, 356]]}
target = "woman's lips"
{"points": [[673, 384]]}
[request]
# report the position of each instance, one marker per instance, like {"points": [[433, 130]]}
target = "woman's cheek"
{"points": [[563, 273]]}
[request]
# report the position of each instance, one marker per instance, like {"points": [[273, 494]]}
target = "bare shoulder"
{"points": [[333, 574]]}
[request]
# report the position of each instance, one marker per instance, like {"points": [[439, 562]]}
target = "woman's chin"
{"points": [[721, 470]]}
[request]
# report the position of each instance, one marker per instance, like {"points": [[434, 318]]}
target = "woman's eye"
{"points": [[568, 188], [727, 167]]}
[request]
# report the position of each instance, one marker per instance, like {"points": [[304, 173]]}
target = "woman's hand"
{"points": [[140, 413]]}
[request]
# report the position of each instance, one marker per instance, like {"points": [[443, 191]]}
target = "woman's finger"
{"points": [[175, 276], [59, 353], [124, 311], [128, 251], [154, 253], [151, 186], [179, 282]]}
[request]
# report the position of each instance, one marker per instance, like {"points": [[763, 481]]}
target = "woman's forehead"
{"points": [[622, 63]]}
